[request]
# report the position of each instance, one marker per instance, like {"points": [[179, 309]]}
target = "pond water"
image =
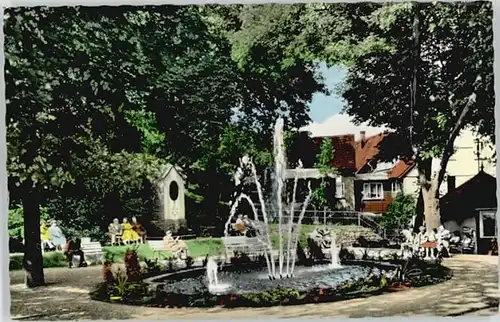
{"points": [[257, 280]]}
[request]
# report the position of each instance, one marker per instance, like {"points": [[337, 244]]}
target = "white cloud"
{"points": [[341, 124]]}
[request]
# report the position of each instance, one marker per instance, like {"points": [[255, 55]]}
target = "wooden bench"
{"points": [[251, 246], [93, 249]]}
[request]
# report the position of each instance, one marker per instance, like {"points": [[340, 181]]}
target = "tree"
{"points": [[430, 86], [323, 163], [91, 77], [276, 83]]}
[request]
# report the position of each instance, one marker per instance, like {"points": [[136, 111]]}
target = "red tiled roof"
{"points": [[350, 154], [370, 149], [367, 151], [344, 148], [400, 169]]}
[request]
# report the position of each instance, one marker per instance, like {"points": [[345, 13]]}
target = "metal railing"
{"points": [[327, 216]]}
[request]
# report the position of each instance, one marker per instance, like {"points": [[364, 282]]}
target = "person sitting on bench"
{"points": [[115, 232], [239, 226], [73, 247], [175, 245], [250, 227]]}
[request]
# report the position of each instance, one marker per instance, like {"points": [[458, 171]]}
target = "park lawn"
{"points": [[197, 248]]}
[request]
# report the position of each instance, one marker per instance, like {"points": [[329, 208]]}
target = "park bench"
{"points": [[158, 246], [93, 249], [251, 246]]}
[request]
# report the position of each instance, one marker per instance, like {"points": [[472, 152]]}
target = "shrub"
{"points": [[399, 212], [173, 225], [132, 265], [153, 265], [240, 258], [51, 259], [189, 261], [345, 255]]}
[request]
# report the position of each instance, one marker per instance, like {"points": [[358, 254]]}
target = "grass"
{"points": [[198, 247]]}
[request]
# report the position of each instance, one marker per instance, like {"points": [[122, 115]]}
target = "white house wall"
{"points": [[463, 164]]}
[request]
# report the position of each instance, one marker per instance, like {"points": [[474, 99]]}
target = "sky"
{"points": [[325, 109], [323, 106]]}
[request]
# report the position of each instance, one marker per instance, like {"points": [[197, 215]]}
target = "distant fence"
{"points": [[327, 216]]}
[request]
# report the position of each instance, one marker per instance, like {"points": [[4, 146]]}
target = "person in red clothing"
{"points": [[72, 248]]}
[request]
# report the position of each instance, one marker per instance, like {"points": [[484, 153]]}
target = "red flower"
{"points": [[233, 298]]}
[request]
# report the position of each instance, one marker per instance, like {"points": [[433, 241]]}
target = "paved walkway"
{"points": [[473, 290]]}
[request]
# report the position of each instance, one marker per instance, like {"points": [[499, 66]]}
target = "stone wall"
{"points": [[346, 236]]}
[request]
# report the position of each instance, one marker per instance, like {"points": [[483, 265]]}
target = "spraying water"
{"points": [[285, 223], [334, 252], [279, 180], [212, 276]]}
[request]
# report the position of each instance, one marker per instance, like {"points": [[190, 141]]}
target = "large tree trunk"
{"points": [[430, 197], [419, 220], [430, 183], [33, 260], [430, 194]]}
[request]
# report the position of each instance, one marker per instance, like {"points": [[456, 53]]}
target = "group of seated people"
{"points": [[51, 237], [244, 227], [126, 233]]}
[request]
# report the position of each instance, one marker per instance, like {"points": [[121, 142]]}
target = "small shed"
{"points": [[473, 206], [171, 186]]}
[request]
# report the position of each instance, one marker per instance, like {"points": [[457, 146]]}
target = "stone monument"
{"points": [[171, 188]]}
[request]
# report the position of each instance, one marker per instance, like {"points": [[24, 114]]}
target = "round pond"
{"points": [[241, 281]]}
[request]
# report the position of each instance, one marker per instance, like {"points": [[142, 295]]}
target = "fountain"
{"points": [[334, 253], [212, 277], [286, 256], [280, 270]]}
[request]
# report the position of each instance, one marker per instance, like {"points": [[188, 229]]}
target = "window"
{"points": [[339, 188], [487, 224], [395, 187], [174, 190], [373, 191]]}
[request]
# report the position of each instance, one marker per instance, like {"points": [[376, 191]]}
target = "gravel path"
{"points": [[473, 290]]}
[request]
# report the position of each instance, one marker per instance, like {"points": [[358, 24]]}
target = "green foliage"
{"points": [[323, 163], [50, 259], [400, 212], [275, 81], [459, 37], [145, 121], [16, 220]]}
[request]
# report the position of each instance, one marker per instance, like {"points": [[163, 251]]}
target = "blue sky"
{"points": [[323, 106]]}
